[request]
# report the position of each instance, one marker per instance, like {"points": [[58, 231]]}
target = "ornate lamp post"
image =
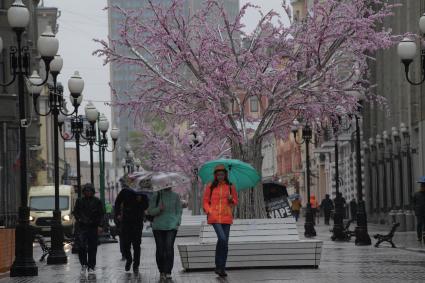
{"points": [[375, 180], [18, 18], [103, 126], [382, 179], [307, 135], [400, 216], [195, 142], [56, 107], [389, 159], [407, 153], [128, 162], [91, 115], [362, 236]]}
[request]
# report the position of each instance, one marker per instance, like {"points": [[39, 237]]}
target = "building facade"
{"points": [[392, 176]]}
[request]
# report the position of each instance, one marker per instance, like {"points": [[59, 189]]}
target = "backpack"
{"points": [[150, 218]]}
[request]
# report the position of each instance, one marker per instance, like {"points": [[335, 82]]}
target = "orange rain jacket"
{"points": [[218, 207]]}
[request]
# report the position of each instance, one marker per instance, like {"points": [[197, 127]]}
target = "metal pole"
{"points": [[401, 182], [409, 171], [24, 264], [91, 163], [77, 145], [309, 230], [338, 228], [362, 236], [57, 253]]}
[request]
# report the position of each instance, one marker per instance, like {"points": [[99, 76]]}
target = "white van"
{"points": [[41, 201]]}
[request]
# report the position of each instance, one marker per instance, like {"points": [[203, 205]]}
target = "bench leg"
{"points": [[392, 244], [378, 243]]}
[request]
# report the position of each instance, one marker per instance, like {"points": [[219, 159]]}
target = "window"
{"points": [[47, 203], [253, 102]]}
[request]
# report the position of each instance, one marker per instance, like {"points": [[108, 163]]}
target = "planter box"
{"points": [[7, 249]]}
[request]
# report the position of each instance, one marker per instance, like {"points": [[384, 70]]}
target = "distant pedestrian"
{"points": [[296, 208], [419, 205], [353, 209], [166, 209], [327, 206], [314, 208], [219, 199], [89, 214]]}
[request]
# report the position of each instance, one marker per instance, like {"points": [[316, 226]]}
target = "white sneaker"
{"points": [[83, 270], [91, 271], [168, 276]]}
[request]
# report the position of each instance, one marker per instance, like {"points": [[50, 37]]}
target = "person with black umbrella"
{"points": [[131, 206]]}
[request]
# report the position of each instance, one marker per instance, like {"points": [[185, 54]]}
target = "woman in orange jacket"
{"points": [[219, 199]]}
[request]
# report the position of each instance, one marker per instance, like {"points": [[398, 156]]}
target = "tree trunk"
{"points": [[251, 201]]}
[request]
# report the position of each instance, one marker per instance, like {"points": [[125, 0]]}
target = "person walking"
{"points": [[314, 208], [419, 206], [125, 193], [132, 217], [166, 208], [327, 205], [219, 199], [296, 208], [89, 214], [353, 209]]}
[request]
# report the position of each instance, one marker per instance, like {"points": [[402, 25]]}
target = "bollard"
{"points": [[401, 218], [410, 221]]}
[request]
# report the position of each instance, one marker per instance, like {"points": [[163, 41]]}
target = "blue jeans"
{"points": [[164, 240], [222, 248]]}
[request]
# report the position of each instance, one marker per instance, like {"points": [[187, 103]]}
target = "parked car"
{"points": [[41, 200]]}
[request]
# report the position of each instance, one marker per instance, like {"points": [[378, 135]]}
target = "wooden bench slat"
{"points": [[268, 263], [253, 246]]}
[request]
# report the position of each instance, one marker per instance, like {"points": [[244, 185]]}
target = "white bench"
{"points": [[254, 243], [191, 225]]}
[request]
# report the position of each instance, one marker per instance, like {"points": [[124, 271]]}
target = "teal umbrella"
{"points": [[241, 174]]}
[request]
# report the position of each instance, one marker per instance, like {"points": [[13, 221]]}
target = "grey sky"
{"points": [[83, 20]]}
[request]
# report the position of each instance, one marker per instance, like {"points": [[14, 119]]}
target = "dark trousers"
{"points": [[327, 216], [131, 236], [164, 240], [420, 226], [87, 246], [296, 214], [222, 247]]}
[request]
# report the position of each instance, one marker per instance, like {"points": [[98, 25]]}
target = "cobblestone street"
{"points": [[341, 262]]}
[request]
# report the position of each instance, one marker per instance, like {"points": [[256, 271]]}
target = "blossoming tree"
{"points": [[202, 67]]}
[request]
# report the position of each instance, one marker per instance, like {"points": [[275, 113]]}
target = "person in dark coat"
{"points": [[124, 194], [327, 206], [353, 209], [419, 206], [89, 214], [132, 213]]}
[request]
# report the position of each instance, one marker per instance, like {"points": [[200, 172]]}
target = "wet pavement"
{"points": [[341, 262]]}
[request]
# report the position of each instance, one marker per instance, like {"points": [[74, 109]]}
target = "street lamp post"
{"points": [[407, 153], [307, 134], [375, 180], [195, 142], [57, 254], [382, 179], [390, 164], [400, 216], [362, 236], [91, 115], [18, 18]]}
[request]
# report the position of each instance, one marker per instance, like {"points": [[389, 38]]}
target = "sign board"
{"points": [[278, 207]]}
